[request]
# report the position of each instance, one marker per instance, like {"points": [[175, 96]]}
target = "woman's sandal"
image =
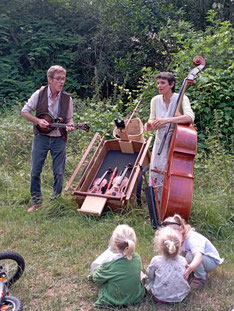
{"points": [[197, 283]]}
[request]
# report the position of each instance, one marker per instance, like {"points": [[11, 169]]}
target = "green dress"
{"points": [[120, 282]]}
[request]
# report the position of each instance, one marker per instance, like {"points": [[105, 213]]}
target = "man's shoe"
{"points": [[54, 196], [33, 208]]}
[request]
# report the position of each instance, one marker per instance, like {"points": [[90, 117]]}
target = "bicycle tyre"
{"points": [[18, 270], [13, 302]]}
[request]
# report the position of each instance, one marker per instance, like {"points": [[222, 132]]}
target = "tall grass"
{"points": [[59, 244]]}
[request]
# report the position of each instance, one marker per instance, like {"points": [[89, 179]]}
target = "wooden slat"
{"points": [[126, 146], [93, 205], [123, 134], [81, 162], [137, 169], [93, 166]]}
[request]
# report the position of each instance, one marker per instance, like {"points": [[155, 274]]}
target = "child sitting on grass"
{"points": [[118, 272], [165, 275], [200, 253]]}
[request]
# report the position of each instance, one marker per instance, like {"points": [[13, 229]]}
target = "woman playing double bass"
{"points": [[160, 116]]}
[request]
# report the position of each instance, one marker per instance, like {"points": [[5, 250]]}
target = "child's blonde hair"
{"points": [[167, 241], [177, 222], [124, 238]]}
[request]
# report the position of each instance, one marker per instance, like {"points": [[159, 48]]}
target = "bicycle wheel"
{"points": [[11, 303], [13, 265]]}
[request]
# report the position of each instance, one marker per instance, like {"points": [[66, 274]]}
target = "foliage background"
{"points": [[105, 43], [112, 50]]}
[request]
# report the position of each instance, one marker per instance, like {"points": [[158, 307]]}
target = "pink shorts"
{"points": [[158, 300]]}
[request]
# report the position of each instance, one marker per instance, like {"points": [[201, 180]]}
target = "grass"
{"points": [[59, 244]]}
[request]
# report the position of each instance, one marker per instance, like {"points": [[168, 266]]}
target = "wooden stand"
{"points": [[109, 154], [129, 148]]}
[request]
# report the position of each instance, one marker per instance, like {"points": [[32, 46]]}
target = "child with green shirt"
{"points": [[118, 273]]}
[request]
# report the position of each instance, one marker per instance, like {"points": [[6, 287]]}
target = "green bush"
{"points": [[212, 95]]}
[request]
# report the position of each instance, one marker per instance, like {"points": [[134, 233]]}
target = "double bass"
{"points": [[177, 190]]}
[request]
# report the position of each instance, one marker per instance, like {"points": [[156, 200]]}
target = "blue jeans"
{"points": [[40, 147], [208, 264]]}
